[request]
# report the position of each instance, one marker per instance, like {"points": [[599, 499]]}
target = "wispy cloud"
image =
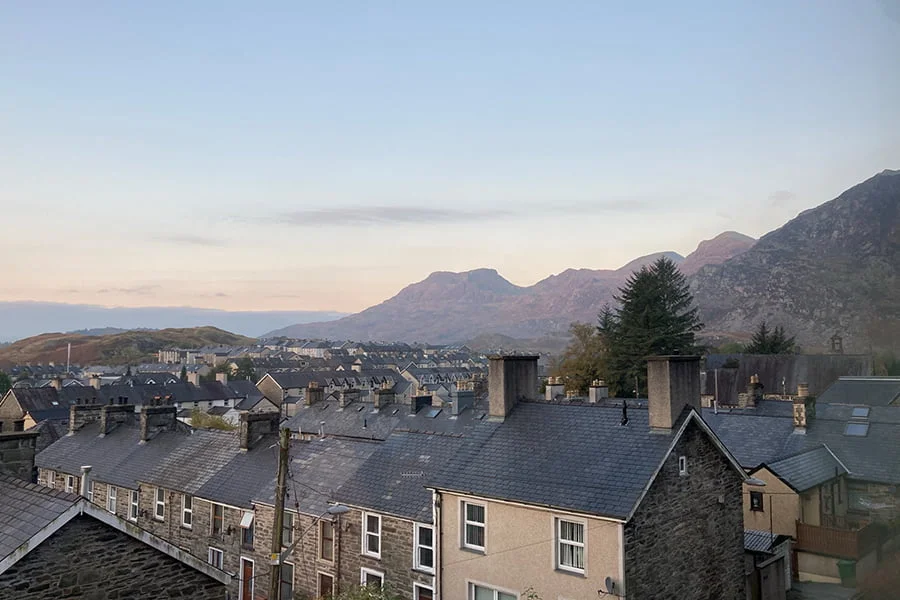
{"points": [[139, 290], [190, 240]]}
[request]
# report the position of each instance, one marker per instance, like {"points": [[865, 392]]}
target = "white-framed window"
{"points": [[371, 542], [287, 529], [90, 490], [51, 478], [682, 465], [70, 483], [371, 577], [326, 540], [422, 592], [424, 548], [483, 592], [133, 506], [111, 493], [216, 519], [325, 585], [159, 510], [216, 557], [474, 525], [570, 545], [247, 530], [187, 511], [287, 580]]}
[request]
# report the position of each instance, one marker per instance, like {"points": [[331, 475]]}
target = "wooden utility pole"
{"points": [[284, 442]]}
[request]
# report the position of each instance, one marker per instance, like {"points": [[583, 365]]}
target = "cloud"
{"points": [[190, 240], [780, 197], [139, 290]]}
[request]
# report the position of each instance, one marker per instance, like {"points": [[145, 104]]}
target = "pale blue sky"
{"points": [[321, 156]]}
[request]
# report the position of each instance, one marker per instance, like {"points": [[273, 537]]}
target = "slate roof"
{"points": [[869, 391], [566, 456], [25, 509], [874, 457], [808, 469], [244, 474], [244, 388], [757, 541], [755, 439]]}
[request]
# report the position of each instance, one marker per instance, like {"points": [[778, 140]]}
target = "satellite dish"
{"points": [[610, 585]]}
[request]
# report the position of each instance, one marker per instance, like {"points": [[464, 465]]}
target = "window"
{"points": [[111, 492], [187, 511], [858, 500], [133, 506], [287, 580], [424, 548], [480, 592], [70, 484], [247, 530], [18, 425], [421, 592], [473, 526], [857, 429], [159, 512], [756, 501], [860, 412], [287, 529], [326, 540], [370, 577], [570, 546], [682, 465], [326, 585], [217, 519], [51, 478], [216, 557], [90, 490], [371, 535]]}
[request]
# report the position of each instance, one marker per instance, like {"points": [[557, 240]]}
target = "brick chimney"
{"points": [[56, 383], [510, 379], [17, 454], [114, 415], [193, 377], [384, 396], [256, 425], [804, 408], [673, 382], [314, 393], [82, 414], [554, 388], [155, 419], [598, 391], [346, 397], [95, 381], [222, 378]]}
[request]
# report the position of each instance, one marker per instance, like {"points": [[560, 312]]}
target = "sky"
{"points": [[321, 156]]}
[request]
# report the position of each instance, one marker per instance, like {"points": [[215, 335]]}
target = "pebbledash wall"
{"points": [[695, 521], [87, 559]]}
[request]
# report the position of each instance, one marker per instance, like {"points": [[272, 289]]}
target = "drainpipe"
{"points": [[438, 529], [337, 558]]}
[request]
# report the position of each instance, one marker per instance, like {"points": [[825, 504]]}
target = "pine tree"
{"points": [[183, 376], [764, 342]]}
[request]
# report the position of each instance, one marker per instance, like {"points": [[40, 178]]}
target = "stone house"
{"points": [[591, 503]]}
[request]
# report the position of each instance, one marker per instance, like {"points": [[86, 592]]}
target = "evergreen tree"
{"points": [[656, 315], [766, 342], [5, 383], [183, 375]]}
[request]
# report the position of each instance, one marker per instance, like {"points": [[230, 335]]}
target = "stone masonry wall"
{"points": [[88, 559], [682, 542]]}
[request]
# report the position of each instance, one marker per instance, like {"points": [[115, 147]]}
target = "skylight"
{"points": [[857, 429], [860, 412]]}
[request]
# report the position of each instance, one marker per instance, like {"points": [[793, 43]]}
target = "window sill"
{"points": [[368, 555], [564, 571], [759, 510], [423, 571], [471, 550]]}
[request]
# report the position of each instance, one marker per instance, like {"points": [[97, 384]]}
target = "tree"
{"points": [[128, 371], [656, 315], [5, 383], [183, 376], [584, 359], [245, 369], [774, 342], [202, 420]]}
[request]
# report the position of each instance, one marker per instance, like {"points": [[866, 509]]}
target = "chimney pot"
{"points": [[85, 478]]}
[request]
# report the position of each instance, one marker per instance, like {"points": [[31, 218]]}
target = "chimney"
{"points": [[510, 379], [82, 414], [256, 425], [95, 382], [803, 390], [463, 397], [753, 395], [345, 397], [17, 449], [804, 408], [554, 388], [85, 478], [384, 396], [222, 378], [314, 394], [416, 403], [155, 419], [56, 383], [193, 377], [113, 415], [673, 382], [598, 391]]}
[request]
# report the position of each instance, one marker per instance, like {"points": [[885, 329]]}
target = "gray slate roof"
{"points": [[566, 456], [25, 509], [752, 438], [758, 541], [869, 391], [808, 469]]}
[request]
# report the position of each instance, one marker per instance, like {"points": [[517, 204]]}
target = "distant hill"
{"points": [[833, 268], [723, 247], [129, 347]]}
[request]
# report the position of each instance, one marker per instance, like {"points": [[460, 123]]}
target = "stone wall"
{"points": [[88, 559], [17, 454], [683, 542]]}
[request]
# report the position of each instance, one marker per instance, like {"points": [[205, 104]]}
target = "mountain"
{"points": [[129, 347], [716, 251], [833, 268], [22, 319]]}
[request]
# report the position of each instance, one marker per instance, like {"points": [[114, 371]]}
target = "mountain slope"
{"points": [[833, 268], [716, 251], [129, 347]]}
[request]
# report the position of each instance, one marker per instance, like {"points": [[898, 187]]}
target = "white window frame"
{"points": [[364, 571], [216, 552], [70, 483], [682, 465], [321, 536], [421, 586], [112, 496], [366, 533], [464, 514], [287, 531], [187, 512], [417, 545], [470, 590], [159, 506], [51, 478], [133, 505], [241, 578], [90, 490], [557, 527], [319, 575], [293, 578]]}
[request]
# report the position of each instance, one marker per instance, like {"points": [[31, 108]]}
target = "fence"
{"points": [[841, 543]]}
